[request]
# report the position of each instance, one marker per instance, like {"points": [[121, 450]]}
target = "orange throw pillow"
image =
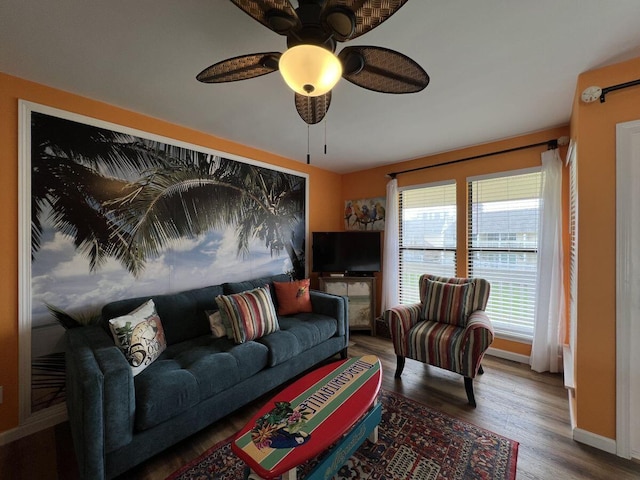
{"points": [[293, 297]]}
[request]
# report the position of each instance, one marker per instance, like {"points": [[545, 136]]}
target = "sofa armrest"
{"points": [[100, 397], [401, 319], [478, 336], [335, 306]]}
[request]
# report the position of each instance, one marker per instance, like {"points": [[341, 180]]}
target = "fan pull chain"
{"points": [[308, 110], [308, 154], [325, 135]]}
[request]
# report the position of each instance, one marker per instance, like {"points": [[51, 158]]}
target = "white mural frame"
{"points": [[30, 422]]}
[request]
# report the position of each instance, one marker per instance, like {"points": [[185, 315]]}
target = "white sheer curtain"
{"points": [[391, 276], [549, 327]]}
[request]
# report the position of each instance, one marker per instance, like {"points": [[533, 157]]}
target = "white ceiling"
{"points": [[498, 68]]}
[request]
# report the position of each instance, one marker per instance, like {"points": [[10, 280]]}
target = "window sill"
{"points": [[514, 337]]}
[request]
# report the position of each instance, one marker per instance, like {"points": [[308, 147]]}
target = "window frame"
{"points": [[514, 332], [404, 249]]}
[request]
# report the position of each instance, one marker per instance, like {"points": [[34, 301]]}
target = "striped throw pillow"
{"points": [[448, 302], [251, 314]]}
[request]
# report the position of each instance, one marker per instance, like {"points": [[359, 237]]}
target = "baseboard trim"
{"points": [[515, 357], [51, 417], [593, 440], [571, 394]]}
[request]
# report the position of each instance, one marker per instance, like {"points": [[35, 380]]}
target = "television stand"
{"points": [[361, 291], [359, 274]]}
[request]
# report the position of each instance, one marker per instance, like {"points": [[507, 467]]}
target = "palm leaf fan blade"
{"points": [[312, 109], [382, 70], [240, 68]]}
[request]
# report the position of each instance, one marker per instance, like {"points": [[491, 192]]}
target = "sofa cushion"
{"points": [[139, 335], [448, 302], [445, 352], [190, 372], [297, 334], [293, 297], [251, 313], [239, 287], [183, 314]]}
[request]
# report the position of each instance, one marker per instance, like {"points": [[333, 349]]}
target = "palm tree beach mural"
{"points": [[119, 213]]}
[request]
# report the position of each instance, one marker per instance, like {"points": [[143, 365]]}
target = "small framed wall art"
{"points": [[364, 214]]}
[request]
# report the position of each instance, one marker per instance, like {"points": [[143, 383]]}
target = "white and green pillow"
{"points": [[140, 336]]}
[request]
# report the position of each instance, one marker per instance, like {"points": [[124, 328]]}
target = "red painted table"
{"points": [[333, 405]]}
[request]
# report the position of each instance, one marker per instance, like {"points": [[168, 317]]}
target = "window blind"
{"points": [[573, 247], [427, 235], [503, 228]]}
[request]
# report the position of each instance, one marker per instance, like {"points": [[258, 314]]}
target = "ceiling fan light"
{"points": [[310, 70]]}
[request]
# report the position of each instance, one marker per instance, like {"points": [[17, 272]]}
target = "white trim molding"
{"points": [[627, 280], [38, 421], [24, 259], [514, 357], [593, 440]]}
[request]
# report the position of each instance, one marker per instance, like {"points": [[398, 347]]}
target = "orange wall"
{"points": [[324, 196], [593, 126], [372, 183]]}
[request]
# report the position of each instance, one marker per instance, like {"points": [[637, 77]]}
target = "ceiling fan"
{"points": [[309, 65]]}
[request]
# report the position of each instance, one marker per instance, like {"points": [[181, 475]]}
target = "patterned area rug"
{"points": [[415, 442]]}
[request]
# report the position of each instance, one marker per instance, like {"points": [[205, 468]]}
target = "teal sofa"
{"points": [[118, 420]]}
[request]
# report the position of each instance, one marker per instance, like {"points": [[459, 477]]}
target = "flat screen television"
{"points": [[352, 252]]}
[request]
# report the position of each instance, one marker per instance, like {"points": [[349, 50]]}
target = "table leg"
{"points": [[290, 475], [373, 436], [251, 475]]}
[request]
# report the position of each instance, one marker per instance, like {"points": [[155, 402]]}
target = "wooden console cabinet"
{"points": [[362, 297]]}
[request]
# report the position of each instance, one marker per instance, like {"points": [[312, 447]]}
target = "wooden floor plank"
{"points": [[513, 401]]}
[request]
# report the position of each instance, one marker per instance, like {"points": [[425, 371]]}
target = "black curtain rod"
{"points": [[617, 87], [551, 144]]}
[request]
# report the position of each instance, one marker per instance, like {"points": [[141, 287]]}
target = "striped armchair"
{"points": [[448, 328]]}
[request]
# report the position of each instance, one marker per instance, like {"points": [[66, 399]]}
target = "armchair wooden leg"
{"points": [[343, 353], [468, 386], [480, 370], [400, 366]]}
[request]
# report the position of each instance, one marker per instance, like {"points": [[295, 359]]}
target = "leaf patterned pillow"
{"points": [[140, 336]]}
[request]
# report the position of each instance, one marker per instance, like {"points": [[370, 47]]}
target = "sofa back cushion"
{"points": [[183, 314], [239, 287]]}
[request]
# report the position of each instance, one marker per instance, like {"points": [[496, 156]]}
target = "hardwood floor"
{"points": [[512, 401]]}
